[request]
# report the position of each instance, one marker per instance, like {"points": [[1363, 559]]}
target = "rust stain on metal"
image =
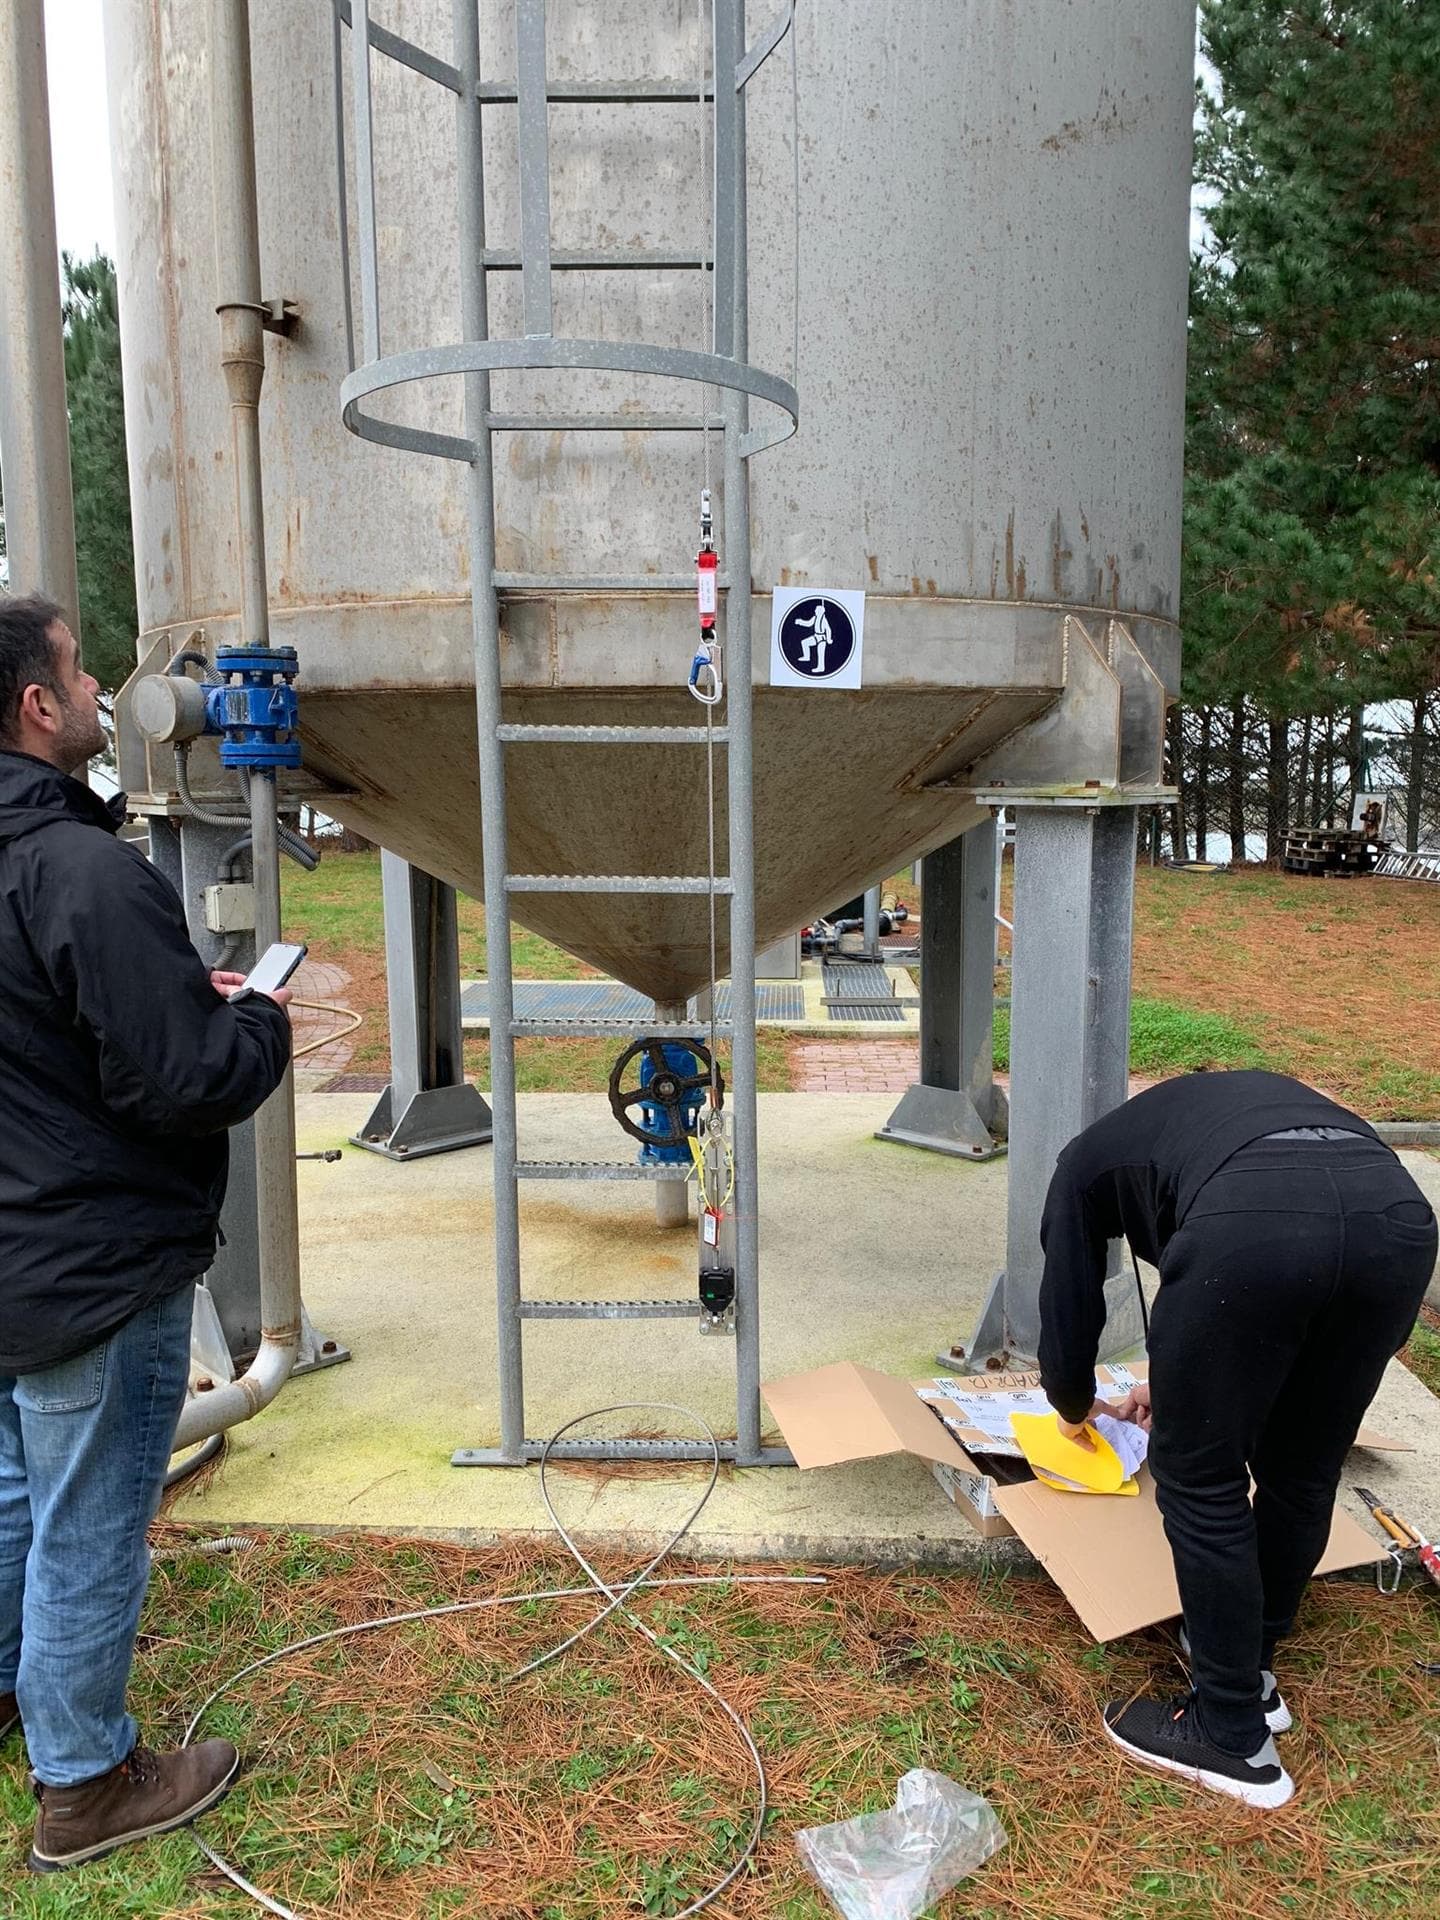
{"points": [[931, 588], [158, 85], [1084, 526], [1059, 555], [873, 561], [1020, 578], [915, 583], [1010, 555]]}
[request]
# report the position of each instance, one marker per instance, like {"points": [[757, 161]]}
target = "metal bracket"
{"points": [[437, 1120], [281, 316]]}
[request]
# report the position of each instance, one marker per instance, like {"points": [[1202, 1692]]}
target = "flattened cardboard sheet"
{"points": [[1108, 1556], [1111, 1560], [848, 1412]]}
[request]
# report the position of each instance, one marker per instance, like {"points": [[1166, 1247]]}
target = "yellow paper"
{"points": [[1098, 1467], [1066, 1486]]}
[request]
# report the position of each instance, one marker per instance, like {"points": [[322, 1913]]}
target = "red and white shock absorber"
{"points": [[705, 677]]}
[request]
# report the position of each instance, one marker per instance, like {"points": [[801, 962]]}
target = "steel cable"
{"points": [[615, 1602]]}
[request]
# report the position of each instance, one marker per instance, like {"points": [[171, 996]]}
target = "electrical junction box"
{"points": [[230, 908]]}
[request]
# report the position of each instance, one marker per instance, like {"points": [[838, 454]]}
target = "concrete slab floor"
{"points": [[870, 1251]]}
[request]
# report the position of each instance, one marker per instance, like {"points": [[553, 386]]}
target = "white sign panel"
{"points": [[817, 637]]}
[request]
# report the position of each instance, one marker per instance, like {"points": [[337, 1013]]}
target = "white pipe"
{"points": [[237, 248], [34, 424]]}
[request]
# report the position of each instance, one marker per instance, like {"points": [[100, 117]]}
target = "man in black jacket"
{"points": [[1294, 1251], [122, 1063]]}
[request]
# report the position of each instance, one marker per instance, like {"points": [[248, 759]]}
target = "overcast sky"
{"points": [[79, 126]]}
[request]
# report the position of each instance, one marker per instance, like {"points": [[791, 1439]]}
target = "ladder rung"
{"points": [[597, 582], [600, 1170], [609, 1309], [615, 883], [604, 422], [599, 1029], [605, 93], [612, 736], [601, 260]]}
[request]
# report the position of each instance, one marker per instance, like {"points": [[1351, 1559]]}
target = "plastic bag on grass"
{"points": [[895, 1864]]}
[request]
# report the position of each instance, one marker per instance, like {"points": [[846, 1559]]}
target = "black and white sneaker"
{"points": [[1272, 1702], [1167, 1735]]}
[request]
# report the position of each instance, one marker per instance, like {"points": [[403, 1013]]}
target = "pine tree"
{"points": [[104, 549], [1313, 488]]}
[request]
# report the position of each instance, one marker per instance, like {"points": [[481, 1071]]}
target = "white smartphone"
{"points": [[271, 970]]}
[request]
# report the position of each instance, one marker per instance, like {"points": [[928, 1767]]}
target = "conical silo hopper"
{"points": [[991, 269]]}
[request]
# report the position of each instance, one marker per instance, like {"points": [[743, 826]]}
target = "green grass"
{"points": [[1422, 1356], [396, 1778], [1166, 1039], [338, 911]]}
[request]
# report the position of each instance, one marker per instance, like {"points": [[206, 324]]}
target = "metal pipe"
{"points": [[871, 911], [485, 619], [34, 422], [672, 1197], [240, 304], [729, 48], [237, 248]]}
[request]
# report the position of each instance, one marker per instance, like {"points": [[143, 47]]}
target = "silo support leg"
{"points": [[1069, 1043], [955, 1106], [428, 1107]]}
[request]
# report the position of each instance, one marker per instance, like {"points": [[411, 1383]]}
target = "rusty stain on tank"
{"points": [[873, 562], [1010, 555]]}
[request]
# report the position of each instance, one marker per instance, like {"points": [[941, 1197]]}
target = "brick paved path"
{"points": [[858, 1066], [315, 980]]}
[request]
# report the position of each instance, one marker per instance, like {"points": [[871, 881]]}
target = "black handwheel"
{"points": [[669, 1089]]}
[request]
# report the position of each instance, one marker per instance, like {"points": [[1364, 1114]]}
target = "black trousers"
{"points": [[1298, 1271]]}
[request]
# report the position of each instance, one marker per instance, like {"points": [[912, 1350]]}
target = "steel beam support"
{"points": [[955, 1106], [428, 1107], [1069, 1043]]}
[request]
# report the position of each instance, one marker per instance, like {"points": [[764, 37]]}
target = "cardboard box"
{"points": [[1108, 1555]]}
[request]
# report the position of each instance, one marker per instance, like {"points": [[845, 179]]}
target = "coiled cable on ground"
{"points": [[616, 1599]]}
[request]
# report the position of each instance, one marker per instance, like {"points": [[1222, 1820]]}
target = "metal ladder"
{"points": [[724, 368]]}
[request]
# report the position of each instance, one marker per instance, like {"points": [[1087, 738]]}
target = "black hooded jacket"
{"points": [[120, 1069]]}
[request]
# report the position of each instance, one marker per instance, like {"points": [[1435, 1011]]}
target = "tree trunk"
{"points": [[1202, 785], [1302, 798], [1235, 782], [1355, 755], [1415, 774], [1277, 798], [1175, 746], [1329, 770]]}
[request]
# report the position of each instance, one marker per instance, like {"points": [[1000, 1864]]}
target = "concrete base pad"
{"points": [[870, 1251]]}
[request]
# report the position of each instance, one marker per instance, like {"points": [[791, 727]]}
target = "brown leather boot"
{"points": [[148, 1793], [9, 1714]]}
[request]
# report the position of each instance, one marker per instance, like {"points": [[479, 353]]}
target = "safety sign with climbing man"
{"points": [[816, 637]]}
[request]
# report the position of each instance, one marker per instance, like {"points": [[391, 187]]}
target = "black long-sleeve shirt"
{"points": [[1133, 1176]]}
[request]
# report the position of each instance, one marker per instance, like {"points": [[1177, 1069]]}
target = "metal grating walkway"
{"points": [[864, 982], [608, 1000], [874, 1010]]}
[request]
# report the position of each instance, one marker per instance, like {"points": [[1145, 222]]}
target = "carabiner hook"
{"points": [[1397, 1562]]}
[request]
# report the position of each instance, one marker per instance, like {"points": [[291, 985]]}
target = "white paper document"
{"points": [[989, 1413]]}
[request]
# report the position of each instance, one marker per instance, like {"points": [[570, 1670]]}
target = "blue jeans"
{"points": [[83, 1451]]}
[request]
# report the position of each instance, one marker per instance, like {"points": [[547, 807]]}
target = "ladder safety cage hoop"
{"points": [[540, 350]]}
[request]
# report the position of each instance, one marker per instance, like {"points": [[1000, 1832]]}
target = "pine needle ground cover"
{"points": [[393, 1777]]}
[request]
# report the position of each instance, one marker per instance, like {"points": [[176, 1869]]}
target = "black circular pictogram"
{"points": [[817, 637]]}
